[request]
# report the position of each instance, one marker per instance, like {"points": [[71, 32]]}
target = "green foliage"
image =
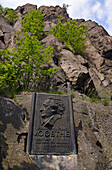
{"points": [[33, 23], [94, 99], [55, 92], [10, 15], [105, 102], [73, 95], [104, 71], [7, 73], [23, 66], [1, 10], [26, 64], [72, 34]]}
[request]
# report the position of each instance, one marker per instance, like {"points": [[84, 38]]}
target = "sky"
{"points": [[96, 10]]}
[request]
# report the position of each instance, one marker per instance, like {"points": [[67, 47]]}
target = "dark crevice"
{"points": [[21, 10], [2, 39], [86, 65], [79, 127], [102, 63], [55, 61], [59, 83], [107, 54], [20, 136], [99, 144]]}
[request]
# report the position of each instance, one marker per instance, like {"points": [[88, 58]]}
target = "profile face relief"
{"points": [[51, 111]]}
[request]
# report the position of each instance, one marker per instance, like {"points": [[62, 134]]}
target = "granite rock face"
{"points": [[89, 73], [12, 137], [92, 130]]}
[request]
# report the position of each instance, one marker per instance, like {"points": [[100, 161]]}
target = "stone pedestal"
{"points": [[51, 162]]}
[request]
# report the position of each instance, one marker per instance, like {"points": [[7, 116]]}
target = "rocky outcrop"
{"points": [[51, 13], [93, 126], [23, 9], [89, 73], [94, 73], [6, 33], [92, 130], [12, 129]]}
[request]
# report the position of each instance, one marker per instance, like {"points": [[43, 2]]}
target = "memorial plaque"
{"points": [[51, 128]]}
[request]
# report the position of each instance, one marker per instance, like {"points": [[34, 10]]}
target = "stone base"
{"points": [[52, 162]]}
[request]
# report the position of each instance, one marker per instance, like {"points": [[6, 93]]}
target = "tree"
{"points": [[23, 66], [1, 10], [72, 34], [33, 23]]}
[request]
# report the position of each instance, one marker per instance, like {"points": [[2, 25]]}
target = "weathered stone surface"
{"points": [[6, 28], [56, 162], [6, 33], [93, 131], [23, 9], [54, 42], [73, 66], [97, 54], [101, 83], [93, 126], [4, 21], [51, 13], [92, 121], [12, 155], [99, 37], [17, 26], [2, 45], [92, 55]]}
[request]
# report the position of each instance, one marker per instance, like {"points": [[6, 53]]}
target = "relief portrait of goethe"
{"points": [[51, 110]]}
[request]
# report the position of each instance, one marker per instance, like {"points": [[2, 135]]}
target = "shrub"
{"points": [[25, 65], [72, 34]]}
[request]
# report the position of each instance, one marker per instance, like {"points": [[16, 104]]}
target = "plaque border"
{"points": [[31, 125]]}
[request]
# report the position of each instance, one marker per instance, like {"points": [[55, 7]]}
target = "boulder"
{"points": [[6, 33], [12, 155], [101, 83], [4, 21], [73, 66]]}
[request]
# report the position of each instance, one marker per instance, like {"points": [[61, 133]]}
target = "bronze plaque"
{"points": [[51, 128]]}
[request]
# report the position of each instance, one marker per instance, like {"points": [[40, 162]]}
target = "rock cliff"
{"points": [[89, 74]]}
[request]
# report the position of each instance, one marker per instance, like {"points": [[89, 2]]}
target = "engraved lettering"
{"points": [[62, 134], [40, 133], [47, 133], [68, 134], [57, 133], [52, 134]]}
